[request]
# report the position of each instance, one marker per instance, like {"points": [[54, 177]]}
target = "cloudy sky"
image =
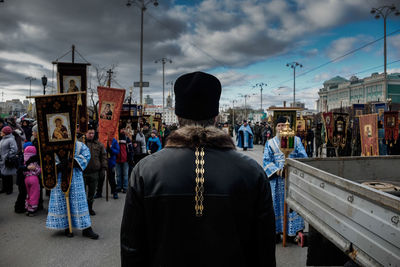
{"points": [[242, 42]]}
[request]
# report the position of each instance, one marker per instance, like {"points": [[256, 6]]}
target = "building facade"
{"points": [[339, 92], [148, 100], [14, 107]]}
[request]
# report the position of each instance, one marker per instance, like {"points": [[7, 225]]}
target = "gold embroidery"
{"points": [[199, 181]]}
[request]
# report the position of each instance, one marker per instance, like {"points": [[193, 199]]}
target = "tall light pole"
{"points": [[163, 61], [261, 89], [384, 11], [293, 65], [245, 105], [233, 112], [142, 5], [30, 78]]}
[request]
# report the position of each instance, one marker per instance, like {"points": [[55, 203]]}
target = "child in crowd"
{"points": [[153, 144], [32, 171]]}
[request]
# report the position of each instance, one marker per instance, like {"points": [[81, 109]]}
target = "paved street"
{"points": [[25, 241]]}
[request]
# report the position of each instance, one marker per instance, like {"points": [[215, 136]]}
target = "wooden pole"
{"points": [[285, 211], [68, 212], [108, 170]]}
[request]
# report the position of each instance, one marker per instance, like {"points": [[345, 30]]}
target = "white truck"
{"points": [[362, 221]]}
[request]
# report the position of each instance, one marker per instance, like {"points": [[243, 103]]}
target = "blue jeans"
{"points": [[122, 175]]}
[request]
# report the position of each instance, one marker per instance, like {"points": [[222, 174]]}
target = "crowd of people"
{"points": [[19, 157]]}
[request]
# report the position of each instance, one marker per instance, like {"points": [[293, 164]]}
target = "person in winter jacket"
{"points": [[123, 159], [32, 171], [153, 144], [96, 168], [198, 202], [8, 156], [112, 152]]}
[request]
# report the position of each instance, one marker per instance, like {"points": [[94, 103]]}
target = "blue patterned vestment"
{"points": [[247, 141], [57, 217], [273, 161]]}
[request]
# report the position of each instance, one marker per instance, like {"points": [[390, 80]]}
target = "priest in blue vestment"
{"points": [[57, 217], [245, 136], [273, 163]]}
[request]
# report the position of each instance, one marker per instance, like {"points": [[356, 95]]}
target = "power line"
{"points": [[336, 59]]}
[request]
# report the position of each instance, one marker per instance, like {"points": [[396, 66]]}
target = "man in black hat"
{"points": [[198, 202]]}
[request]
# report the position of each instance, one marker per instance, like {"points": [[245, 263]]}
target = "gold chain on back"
{"points": [[199, 182]]}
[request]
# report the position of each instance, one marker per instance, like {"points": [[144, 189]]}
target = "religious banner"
{"points": [[301, 129], [357, 111], [380, 109], [110, 106], [391, 127], [71, 77], [340, 129], [57, 120], [327, 118], [369, 135]]}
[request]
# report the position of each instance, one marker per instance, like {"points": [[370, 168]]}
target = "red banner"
{"points": [[391, 126], [369, 135], [329, 125], [110, 106]]}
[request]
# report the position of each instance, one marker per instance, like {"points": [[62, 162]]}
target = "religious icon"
{"points": [[107, 109], [359, 112], [58, 127], [391, 122], [367, 130], [72, 83], [328, 121]]}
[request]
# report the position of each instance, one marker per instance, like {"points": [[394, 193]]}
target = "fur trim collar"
{"points": [[195, 136]]}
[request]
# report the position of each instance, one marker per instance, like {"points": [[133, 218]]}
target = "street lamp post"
{"points": [[163, 61], [293, 65], [384, 11], [44, 83], [261, 89], [233, 113], [142, 4], [30, 78]]}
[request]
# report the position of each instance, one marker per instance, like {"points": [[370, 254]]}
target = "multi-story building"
{"points": [[168, 116], [14, 107], [148, 100], [339, 92]]}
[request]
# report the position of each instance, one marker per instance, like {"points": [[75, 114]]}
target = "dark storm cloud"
{"points": [[200, 36]]}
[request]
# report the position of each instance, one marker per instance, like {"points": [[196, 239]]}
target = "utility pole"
{"points": [[73, 54], [142, 4], [293, 65], [384, 12], [261, 90], [163, 61], [110, 73], [233, 112], [30, 78]]}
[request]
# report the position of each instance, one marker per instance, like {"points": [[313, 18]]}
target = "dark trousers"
{"points": [[111, 182], [7, 183], [91, 180]]}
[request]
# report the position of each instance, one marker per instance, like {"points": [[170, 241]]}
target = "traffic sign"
{"points": [[137, 84]]}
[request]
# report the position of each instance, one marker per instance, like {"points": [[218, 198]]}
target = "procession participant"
{"points": [[224, 217], [19, 206], [112, 152], [257, 133], [57, 217], [27, 129], [123, 158], [31, 172], [273, 163], [165, 133], [8, 151], [245, 136], [35, 142], [141, 149], [96, 168], [153, 144]]}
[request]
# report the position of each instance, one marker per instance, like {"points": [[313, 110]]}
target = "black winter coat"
{"points": [[159, 225]]}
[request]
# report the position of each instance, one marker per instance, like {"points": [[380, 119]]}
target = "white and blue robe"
{"points": [[57, 217], [245, 140], [273, 161]]}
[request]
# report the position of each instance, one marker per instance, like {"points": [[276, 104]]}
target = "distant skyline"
{"points": [[242, 42]]}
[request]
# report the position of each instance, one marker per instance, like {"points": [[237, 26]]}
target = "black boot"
{"points": [[88, 232], [91, 211], [68, 234]]}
